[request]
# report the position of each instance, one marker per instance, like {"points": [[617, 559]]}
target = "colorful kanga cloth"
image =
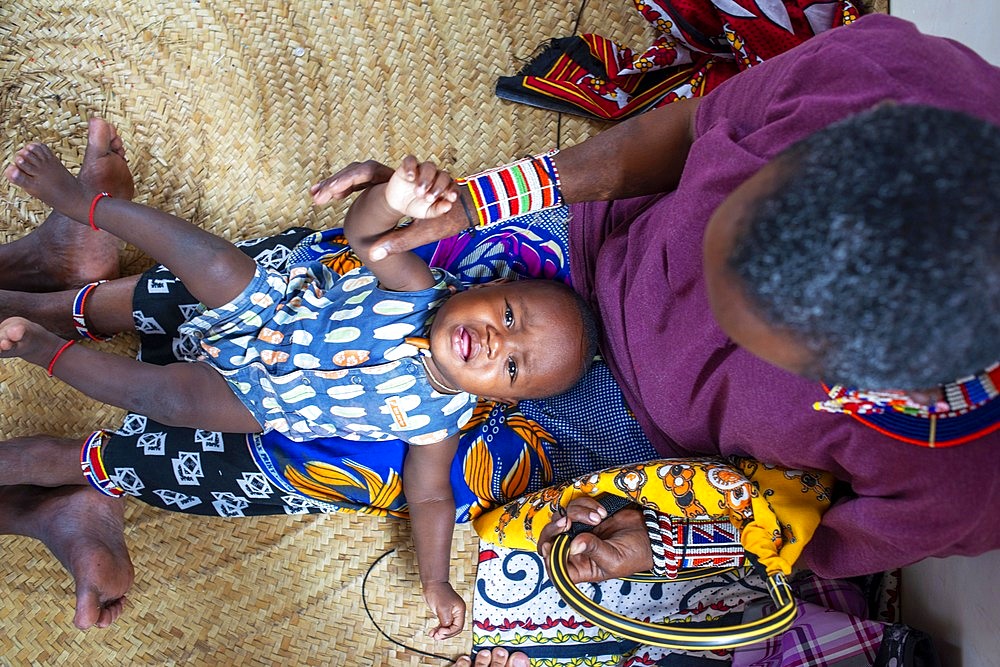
{"points": [[772, 511], [701, 43], [840, 623], [296, 340]]}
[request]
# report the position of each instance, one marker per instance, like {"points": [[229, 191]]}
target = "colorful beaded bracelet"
{"points": [[523, 187], [79, 302]]}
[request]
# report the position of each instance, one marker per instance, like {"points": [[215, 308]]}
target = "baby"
{"points": [[393, 349]]}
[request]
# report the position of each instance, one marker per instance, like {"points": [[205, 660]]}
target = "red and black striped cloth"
{"points": [[699, 44]]}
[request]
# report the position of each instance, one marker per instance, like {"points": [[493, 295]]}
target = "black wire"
{"points": [[364, 601], [579, 13], [576, 27]]}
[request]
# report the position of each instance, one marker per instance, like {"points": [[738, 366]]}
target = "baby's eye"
{"points": [[511, 368], [508, 317]]}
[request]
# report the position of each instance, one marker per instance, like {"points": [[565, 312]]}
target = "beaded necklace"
{"points": [[424, 352], [969, 410]]}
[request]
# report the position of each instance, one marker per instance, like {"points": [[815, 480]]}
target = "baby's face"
{"points": [[509, 341]]}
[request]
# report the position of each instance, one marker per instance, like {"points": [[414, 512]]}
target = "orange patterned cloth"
{"points": [[776, 510]]}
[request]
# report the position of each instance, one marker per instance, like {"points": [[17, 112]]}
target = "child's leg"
{"points": [[107, 308], [183, 394], [214, 270]]}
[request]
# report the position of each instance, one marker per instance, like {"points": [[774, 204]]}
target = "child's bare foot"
{"points": [[87, 254], [37, 171], [104, 164], [29, 341], [61, 253], [85, 531]]}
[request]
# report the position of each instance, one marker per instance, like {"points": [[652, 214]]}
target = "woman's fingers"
{"points": [[352, 178]]}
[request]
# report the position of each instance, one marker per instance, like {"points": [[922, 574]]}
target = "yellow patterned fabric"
{"points": [[776, 510]]}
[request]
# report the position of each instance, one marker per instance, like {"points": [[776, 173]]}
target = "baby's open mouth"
{"points": [[462, 342]]}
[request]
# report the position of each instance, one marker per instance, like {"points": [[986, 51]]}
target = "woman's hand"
{"points": [[359, 176], [422, 232], [352, 178], [617, 547]]}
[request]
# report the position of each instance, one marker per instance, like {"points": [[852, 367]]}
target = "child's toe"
{"points": [[14, 174]]}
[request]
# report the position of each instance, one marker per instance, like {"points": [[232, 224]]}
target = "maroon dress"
{"points": [[639, 262]]}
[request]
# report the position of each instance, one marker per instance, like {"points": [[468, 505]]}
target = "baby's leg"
{"points": [[183, 394], [107, 308], [214, 270]]}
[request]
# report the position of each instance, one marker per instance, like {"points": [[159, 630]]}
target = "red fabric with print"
{"points": [[699, 45]]}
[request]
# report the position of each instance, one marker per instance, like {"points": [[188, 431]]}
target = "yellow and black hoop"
{"points": [[750, 495], [685, 638]]}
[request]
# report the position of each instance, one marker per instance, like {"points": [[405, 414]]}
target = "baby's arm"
{"points": [[414, 190], [427, 487]]}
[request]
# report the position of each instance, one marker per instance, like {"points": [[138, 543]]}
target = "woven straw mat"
{"points": [[229, 111]]}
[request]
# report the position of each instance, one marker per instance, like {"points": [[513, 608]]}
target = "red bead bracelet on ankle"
{"points": [[98, 197], [55, 357]]}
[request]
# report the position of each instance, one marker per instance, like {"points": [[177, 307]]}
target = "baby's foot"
{"points": [[85, 255], [37, 171], [60, 253], [104, 165], [420, 190], [29, 341]]}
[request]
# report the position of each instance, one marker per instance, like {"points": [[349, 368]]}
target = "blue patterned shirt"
{"points": [[314, 354]]}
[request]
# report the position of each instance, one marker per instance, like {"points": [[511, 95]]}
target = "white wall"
{"points": [[957, 600], [972, 22]]}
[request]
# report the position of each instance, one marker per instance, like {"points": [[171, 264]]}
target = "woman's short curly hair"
{"points": [[880, 248]]}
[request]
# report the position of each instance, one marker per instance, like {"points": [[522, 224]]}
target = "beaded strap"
{"points": [[523, 187], [79, 302], [662, 567], [93, 466]]}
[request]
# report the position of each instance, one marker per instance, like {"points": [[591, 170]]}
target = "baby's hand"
{"points": [[449, 608], [420, 190]]}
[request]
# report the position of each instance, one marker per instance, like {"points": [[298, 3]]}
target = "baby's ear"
{"points": [[509, 403]]}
